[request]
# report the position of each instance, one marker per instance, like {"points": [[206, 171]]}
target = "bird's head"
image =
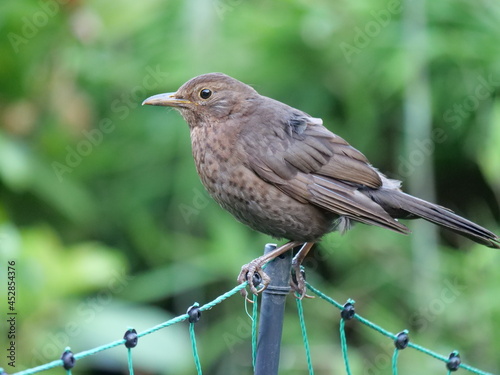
{"points": [[207, 98]]}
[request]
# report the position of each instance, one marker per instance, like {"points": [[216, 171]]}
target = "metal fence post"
{"points": [[272, 312]]}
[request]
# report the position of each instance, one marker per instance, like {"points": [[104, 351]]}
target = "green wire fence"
{"points": [[401, 340]]}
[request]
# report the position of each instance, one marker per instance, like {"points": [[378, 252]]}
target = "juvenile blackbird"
{"points": [[281, 172]]}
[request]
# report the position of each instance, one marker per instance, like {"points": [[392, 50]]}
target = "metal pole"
{"points": [[272, 312]]}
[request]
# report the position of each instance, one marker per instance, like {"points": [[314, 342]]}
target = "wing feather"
{"points": [[311, 164]]}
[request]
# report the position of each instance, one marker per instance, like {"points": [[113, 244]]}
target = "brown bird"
{"points": [[281, 172]]}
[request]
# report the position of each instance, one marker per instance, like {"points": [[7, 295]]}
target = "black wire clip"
{"points": [[348, 311], [402, 340], [131, 338], [68, 359], [194, 313], [454, 361]]}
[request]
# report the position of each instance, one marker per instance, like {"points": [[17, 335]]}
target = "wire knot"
{"points": [[68, 359], [454, 361], [194, 313], [131, 338], [256, 279], [402, 340], [348, 311]]}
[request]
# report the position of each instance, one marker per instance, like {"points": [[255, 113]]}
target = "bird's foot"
{"points": [[298, 281], [254, 275]]}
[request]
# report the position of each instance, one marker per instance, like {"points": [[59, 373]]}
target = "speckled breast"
{"points": [[250, 199]]}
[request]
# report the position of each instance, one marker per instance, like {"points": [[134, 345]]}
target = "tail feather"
{"points": [[402, 205]]}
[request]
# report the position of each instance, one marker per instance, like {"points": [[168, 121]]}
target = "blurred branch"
{"points": [[417, 132]]}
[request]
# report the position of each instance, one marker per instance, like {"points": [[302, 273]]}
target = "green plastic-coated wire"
{"points": [[178, 319], [343, 344], [195, 350], [129, 361], [255, 315], [46, 366], [302, 322], [221, 298], [392, 335], [395, 362], [205, 307]]}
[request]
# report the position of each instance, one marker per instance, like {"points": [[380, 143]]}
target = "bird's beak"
{"points": [[167, 100]]}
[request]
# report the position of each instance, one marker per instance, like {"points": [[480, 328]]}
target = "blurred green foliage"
{"points": [[103, 212]]}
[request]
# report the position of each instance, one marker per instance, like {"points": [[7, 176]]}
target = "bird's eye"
{"points": [[205, 93]]}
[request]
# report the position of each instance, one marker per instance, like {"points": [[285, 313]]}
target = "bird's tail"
{"points": [[402, 205]]}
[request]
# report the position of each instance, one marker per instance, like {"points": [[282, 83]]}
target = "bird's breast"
{"points": [[253, 201], [215, 160]]}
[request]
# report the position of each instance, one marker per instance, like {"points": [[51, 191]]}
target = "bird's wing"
{"points": [[311, 164]]}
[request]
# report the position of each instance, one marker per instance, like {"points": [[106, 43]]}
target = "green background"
{"points": [[109, 226]]}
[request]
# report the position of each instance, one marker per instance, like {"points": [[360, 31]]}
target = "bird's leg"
{"points": [[298, 283], [255, 266]]}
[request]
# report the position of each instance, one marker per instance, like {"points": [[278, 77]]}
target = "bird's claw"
{"points": [[298, 282], [253, 274]]}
